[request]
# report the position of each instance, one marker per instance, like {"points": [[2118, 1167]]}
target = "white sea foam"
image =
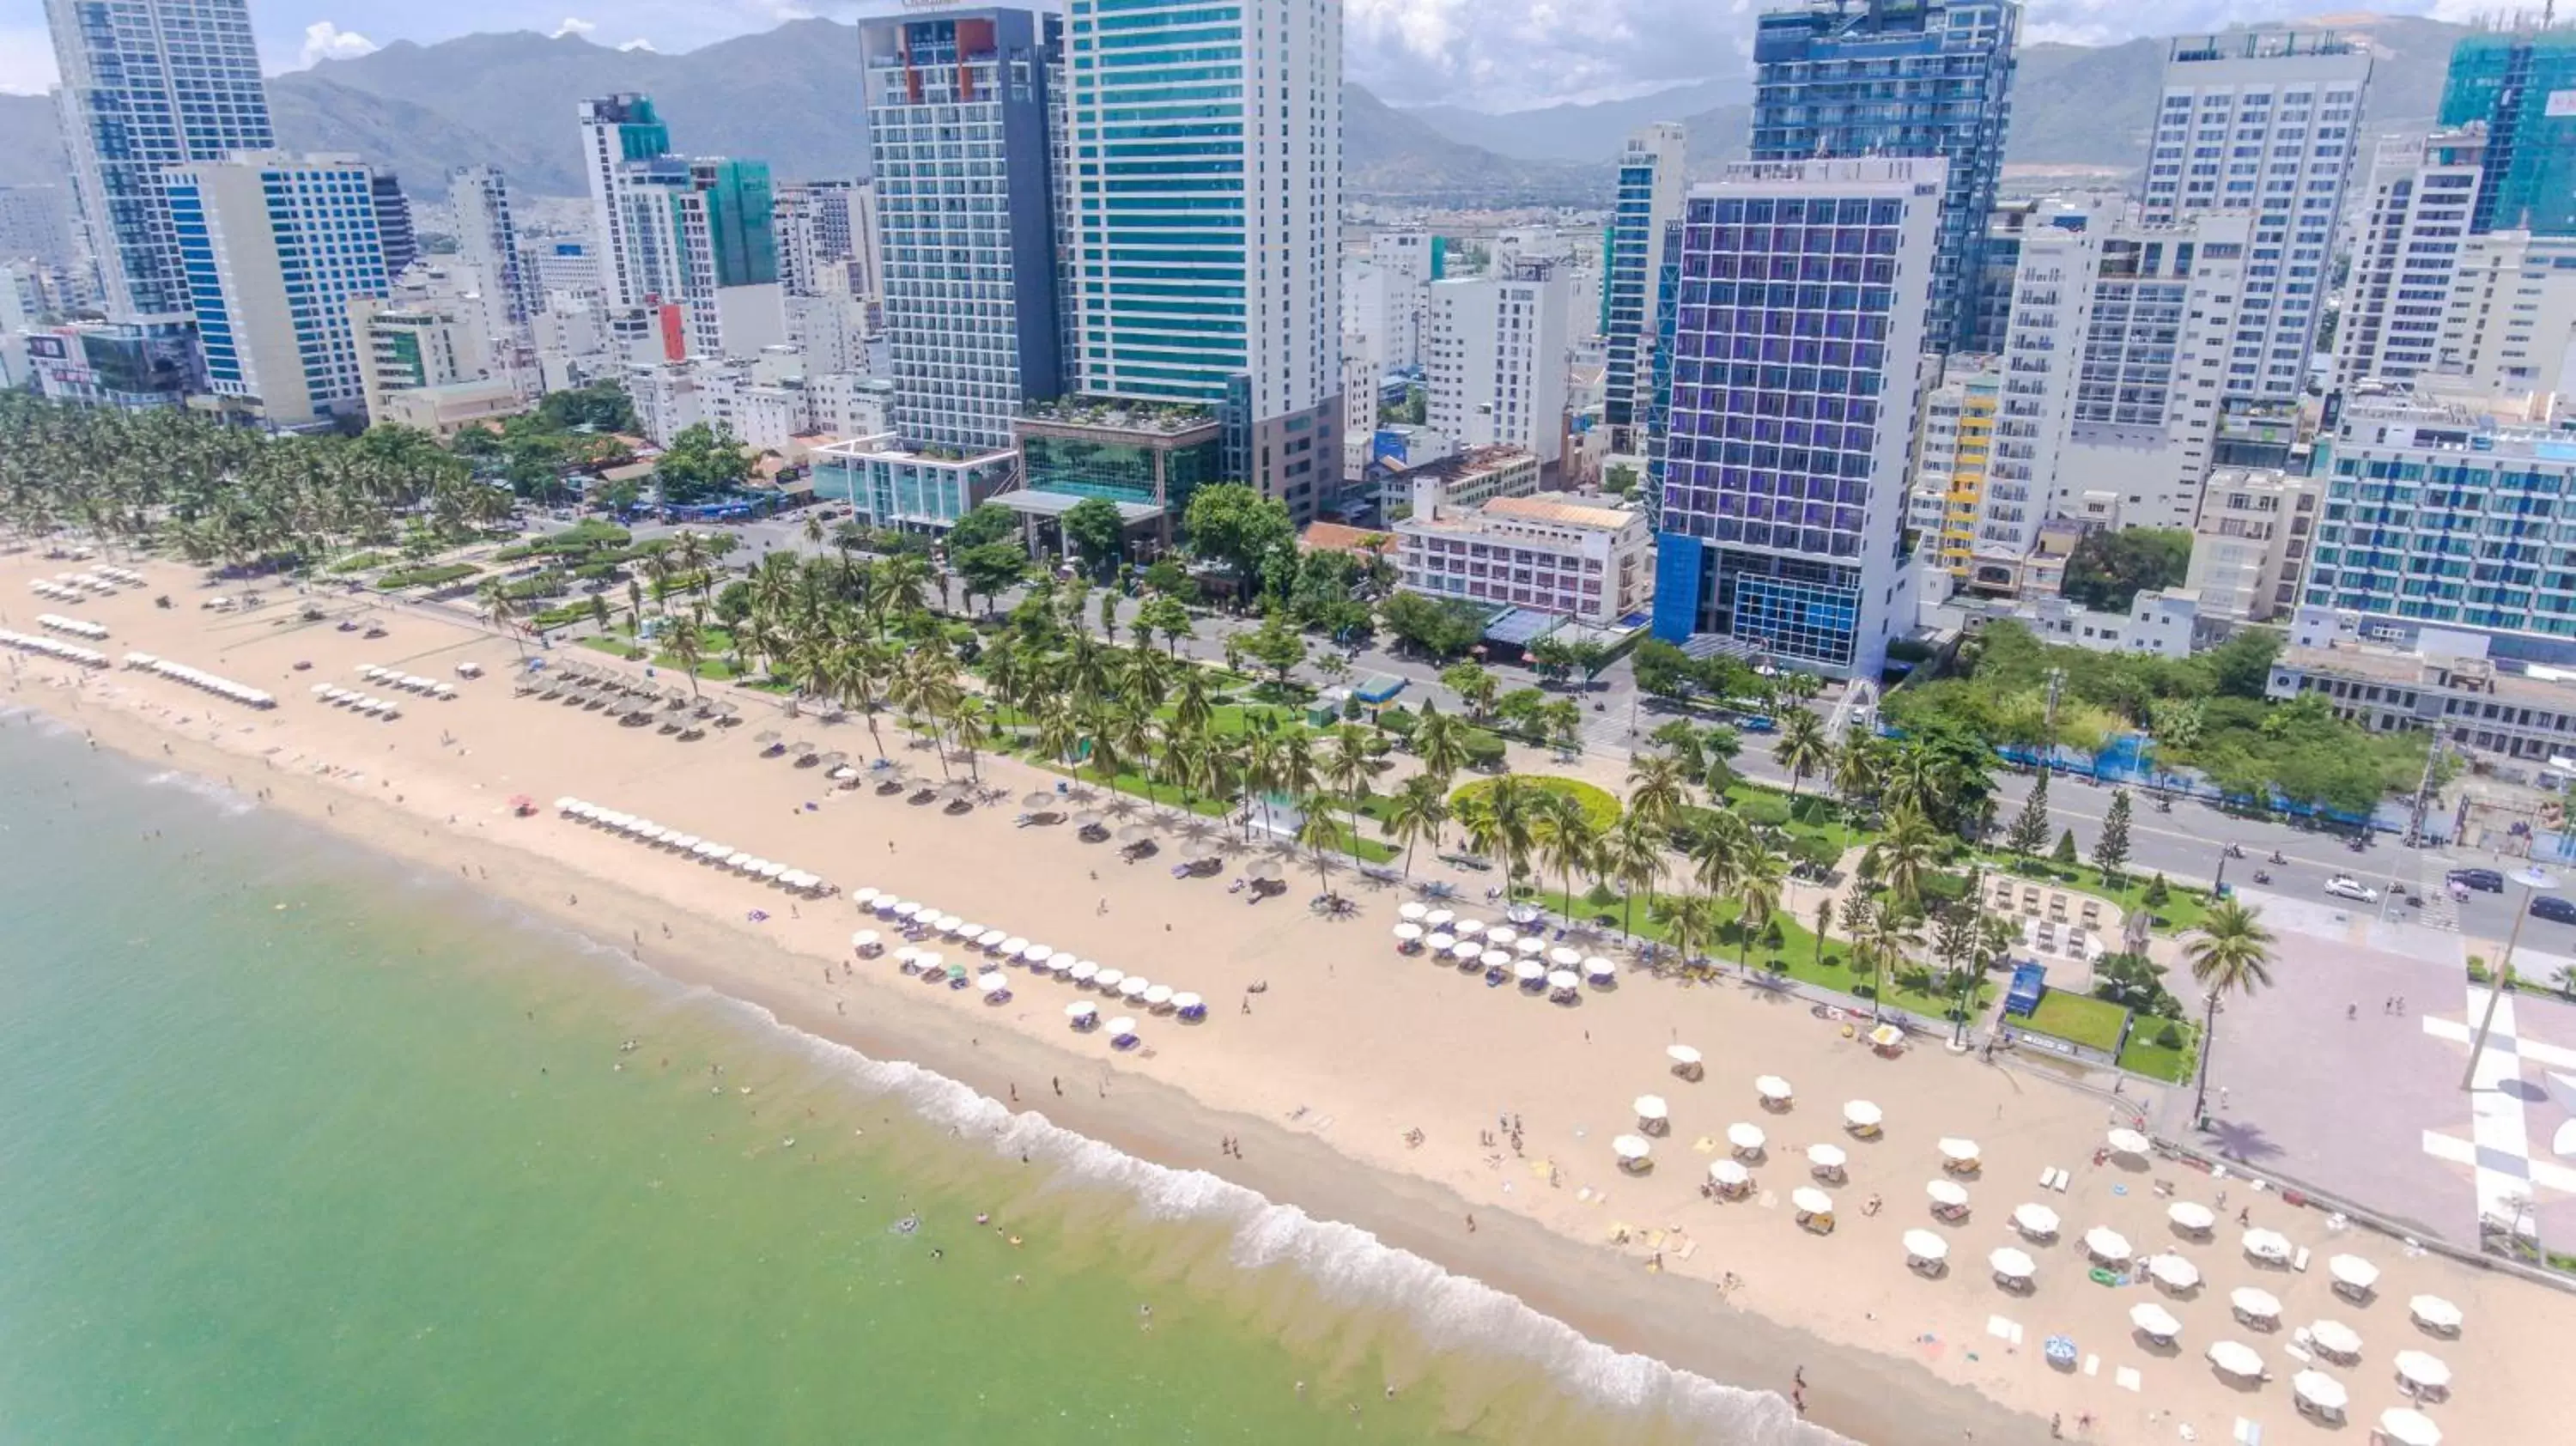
{"points": [[1453, 1312], [232, 801]]}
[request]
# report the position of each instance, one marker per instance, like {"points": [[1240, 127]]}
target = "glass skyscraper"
{"points": [[1650, 200], [2522, 84], [148, 84], [1797, 346], [1206, 168], [1898, 78]]}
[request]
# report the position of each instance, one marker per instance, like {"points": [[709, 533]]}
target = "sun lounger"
{"points": [[2299, 1262]]}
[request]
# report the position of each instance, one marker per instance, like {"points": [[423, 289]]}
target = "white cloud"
{"points": [[575, 25], [638, 43], [326, 41]]}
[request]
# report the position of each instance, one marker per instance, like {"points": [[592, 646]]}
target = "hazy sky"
{"points": [[1493, 54]]}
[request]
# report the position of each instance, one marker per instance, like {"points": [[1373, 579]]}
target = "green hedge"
{"points": [[360, 562], [438, 576]]}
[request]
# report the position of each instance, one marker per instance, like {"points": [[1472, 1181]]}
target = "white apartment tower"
{"points": [[1207, 159], [1497, 361], [148, 84], [2421, 191], [2509, 325], [2263, 123], [488, 240], [615, 131]]}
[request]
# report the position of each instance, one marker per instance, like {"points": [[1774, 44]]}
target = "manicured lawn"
{"points": [[712, 663], [2157, 1062], [2079, 1019], [2182, 911], [1600, 807]]}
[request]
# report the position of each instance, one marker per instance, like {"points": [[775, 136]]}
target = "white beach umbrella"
{"points": [[1563, 981], [1861, 1115], [2191, 1215], [2035, 1220], [2173, 1272], [1134, 986], [1829, 1158], [2127, 1142], [1811, 1201], [1729, 1173], [2267, 1245], [1439, 918], [321, 689], [908, 954], [1683, 1055], [932, 959], [772, 869], [2236, 1358], [1924, 1245], [1744, 1138], [1081, 1010], [1062, 965], [2254, 1303], [864, 939], [1412, 913], [1013, 947], [2353, 1273], [1466, 951], [1771, 1087], [2335, 1338], [1496, 958], [863, 897], [1108, 980], [1631, 1148], [950, 925], [2434, 1311], [2423, 1368], [2012, 1264], [1085, 972], [1408, 933], [1598, 969], [1564, 958], [2106, 1245], [1185, 1001], [1652, 1107], [1501, 936], [1440, 943], [1947, 1194], [2407, 1426], [991, 939], [2155, 1320], [1529, 971], [1121, 1027], [996, 983], [1467, 928], [1531, 947], [1036, 955], [1157, 995], [1958, 1151]]}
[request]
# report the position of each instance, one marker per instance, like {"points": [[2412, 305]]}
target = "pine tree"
{"points": [[2066, 849], [2030, 828], [2158, 893], [2111, 850]]}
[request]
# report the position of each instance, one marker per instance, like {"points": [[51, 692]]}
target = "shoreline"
{"points": [[1373, 1047]]}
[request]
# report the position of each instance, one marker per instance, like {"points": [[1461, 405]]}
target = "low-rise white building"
{"points": [[764, 415], [2164, 623], [2251, 543], [1551, 554], [2514, 717], [891, 487]]}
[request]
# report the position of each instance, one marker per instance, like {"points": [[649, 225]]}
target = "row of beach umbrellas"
{"points": [[920, 920], [76, 627], [200, 678], [408, 682], [99, 581], [1501, 951], [48, 647], [707, 851], [357, 702]]}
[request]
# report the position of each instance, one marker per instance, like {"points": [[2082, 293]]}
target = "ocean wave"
{"points": [[1452, 1312], [233, 802]]}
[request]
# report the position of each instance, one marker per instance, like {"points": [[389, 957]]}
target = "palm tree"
{"points": [[1566, 840], [1316, 832], [1885, 936], [1690, 921], [1719, 855], [1498, 819], [1059, 732], [1099, 729], [1259, 772], [2231, 954], [859, 675], [1907, 856], [688, 647], [1347, 767], [1440, 741], [1191, 709], [1417, 813], [1757, 898], [1633, 853], [970, 726], [1292, 769], [1857, 772], [501, 611], [1802, 748], [1657, 787]]}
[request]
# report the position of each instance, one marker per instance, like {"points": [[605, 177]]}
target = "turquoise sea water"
{"points": [[300, 1146]]}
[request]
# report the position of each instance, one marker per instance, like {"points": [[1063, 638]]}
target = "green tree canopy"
{"points": [[1093, 530], [2108, 570], [1231, 524], [703, 462]]}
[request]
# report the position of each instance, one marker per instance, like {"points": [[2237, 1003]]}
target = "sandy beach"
{"points": [[1470, 1125]]}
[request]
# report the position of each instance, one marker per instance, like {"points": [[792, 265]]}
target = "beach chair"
{"points": [[2057, 906], [2030, 901], [2299, 1262]]}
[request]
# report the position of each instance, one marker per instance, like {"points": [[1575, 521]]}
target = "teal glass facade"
{"points": [[739, 224], [1128, 467], [2522, 84]]}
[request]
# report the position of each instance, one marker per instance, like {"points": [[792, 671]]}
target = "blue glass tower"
{"points": [[1650, 200], [1898, 78], [2522, 83]]}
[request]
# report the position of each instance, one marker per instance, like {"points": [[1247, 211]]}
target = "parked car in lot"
{"points": [[2485, 881], [2345, 886], [2553, 908]]}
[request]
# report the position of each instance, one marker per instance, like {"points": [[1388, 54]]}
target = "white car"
{"points": [[2345, 886]]}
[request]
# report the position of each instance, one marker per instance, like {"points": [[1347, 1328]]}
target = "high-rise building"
{"points": [[2422, 189], [37, 224], [1208, 170], [2509, 326], [2263, 122], [2250, 543], [957, 117], [2520, 83], [699, 237], [1651, 189], [616, 132], [1897, 78], [393, 221], [1497, 361], [819, 223], [1404, 259], [1804, 291], [148, 84], [274, 247], [2122, 331], [488, 240], [1950, 465]]}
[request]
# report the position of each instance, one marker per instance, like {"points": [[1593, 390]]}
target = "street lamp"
{"points": [[2533, 880], [2218, 886]]}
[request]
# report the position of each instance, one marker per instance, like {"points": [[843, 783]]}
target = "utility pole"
{"points": [[2048, 754]]}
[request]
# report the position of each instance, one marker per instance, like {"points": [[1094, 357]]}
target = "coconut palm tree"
{"points": [[970, 727], [1059, 732], [1802, 748], [2231, 953], [1317, 831], [1440, 741], [1658, 787], [1908, 854], [1690, 921], [1566, 840], [1633, 853], [1348, 768], [502, 612], [1417, 813], [1757, 898], [1190, 707], [1099, 726], [688, 646], [1499, 819], [1718, 856], [1885, 937]]}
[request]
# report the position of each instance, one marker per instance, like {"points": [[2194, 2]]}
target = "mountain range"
{"points": [[790, 95]]}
